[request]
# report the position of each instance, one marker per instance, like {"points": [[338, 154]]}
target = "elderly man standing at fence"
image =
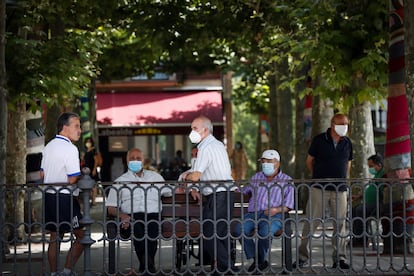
{"points": [[139, 207], [272, 194], [212, 163], [61, 164], [329, 156]]}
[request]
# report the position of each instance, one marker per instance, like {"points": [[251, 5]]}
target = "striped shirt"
{"points": [[266, 194], [213, 163]]}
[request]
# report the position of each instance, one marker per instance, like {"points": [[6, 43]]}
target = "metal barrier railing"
{"points": [[385, 240]]}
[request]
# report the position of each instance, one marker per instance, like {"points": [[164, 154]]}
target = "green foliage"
{"points": [[52, 49], [67, 43], [53, 71], [171, 36], [253, 96], [345, 43]]}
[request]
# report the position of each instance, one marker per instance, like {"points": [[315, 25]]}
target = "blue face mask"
{"points": [[372, 171], [135, 166], [268, 168]]}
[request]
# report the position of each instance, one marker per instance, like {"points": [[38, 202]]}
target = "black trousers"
{"points": [[145, 224], [217, 215]]}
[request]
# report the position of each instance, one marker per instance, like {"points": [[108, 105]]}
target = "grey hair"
{"points": [[207, 123]]}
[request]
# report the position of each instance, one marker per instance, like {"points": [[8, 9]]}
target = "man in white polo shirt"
{"points": [[60, 164]]}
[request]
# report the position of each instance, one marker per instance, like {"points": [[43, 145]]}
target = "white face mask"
{"points": [[341, 130], [195, 137]]}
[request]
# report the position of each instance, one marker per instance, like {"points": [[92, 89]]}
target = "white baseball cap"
{"points": [[271, 154]]}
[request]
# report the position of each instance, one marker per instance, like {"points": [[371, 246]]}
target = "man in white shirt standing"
{"points": [[139, 207], [60, 164], [213, 163]]}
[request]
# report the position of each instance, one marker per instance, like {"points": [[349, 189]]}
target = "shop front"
{"points": [[157, 121]]}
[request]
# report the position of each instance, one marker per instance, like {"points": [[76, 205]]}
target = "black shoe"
{"points": [[299, 264], [252, 267], [263, 266], [342, 265]]}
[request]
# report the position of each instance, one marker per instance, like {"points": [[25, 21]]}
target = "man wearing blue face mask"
{"points": [[272, 194], [329, 157], [139, 207]]}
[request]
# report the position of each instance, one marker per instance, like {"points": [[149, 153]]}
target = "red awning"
{"points": [[157, 109]]}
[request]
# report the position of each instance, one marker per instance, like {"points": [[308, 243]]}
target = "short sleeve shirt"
{"points": [[266, 193], [138, 198], [213, 163], [330, 161], [60, 160]]}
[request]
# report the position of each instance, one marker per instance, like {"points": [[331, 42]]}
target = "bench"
{"points": [[180, 223], [181, 215]]}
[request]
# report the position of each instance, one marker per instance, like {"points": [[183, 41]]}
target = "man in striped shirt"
{"points": [[212, 164], [272, 194]]}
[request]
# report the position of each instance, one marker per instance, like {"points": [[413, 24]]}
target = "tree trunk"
{"points": [[286, 136], [301, 148], [300, 143], [16, 168], [361, 130], [260, 145], [303, 124], [322, 113], [281, 119], [228, 110], [303, 128], [3, 118], [398, 144], [273, 112]]}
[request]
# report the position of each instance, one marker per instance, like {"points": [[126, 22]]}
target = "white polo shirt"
{"points": [[60, 160], [122, 194]]}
